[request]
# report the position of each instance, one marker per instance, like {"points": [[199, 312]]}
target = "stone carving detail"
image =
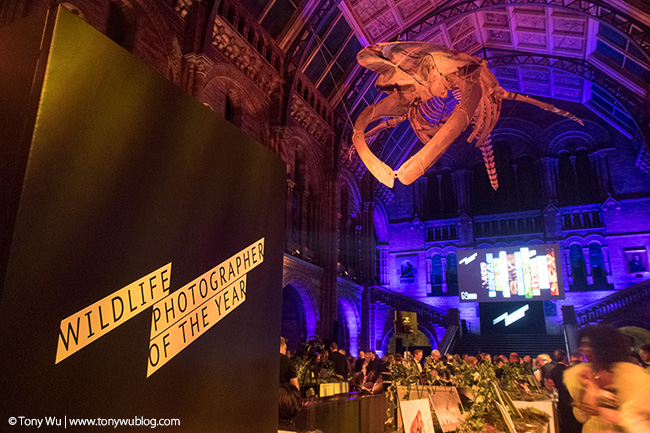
{"points": [[249, 61], [440, 92], [200, 63], [384, 193], [183, 6], [643, 159], [308, 119]]}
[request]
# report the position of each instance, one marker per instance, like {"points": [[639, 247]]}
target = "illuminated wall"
{"points": [[591, 198]]}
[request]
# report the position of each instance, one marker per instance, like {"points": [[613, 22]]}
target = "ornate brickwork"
{"points": [[643, 159], [183, 6], [310, 120], [242, 55]]}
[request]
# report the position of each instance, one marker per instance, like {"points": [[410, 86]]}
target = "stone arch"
{"points": [[508, 130], [299, 139], [352, 318], [380, 219], [306, 299], [293, 324], [595, 237], [128, 13], [450, 249], [570, 141], [574, 240], [72, 7], [150, 20], [225, 80], [348, 180], [520, 143], [388, 339], [446, 161]]}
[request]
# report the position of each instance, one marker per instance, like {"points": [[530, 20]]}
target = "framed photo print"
{"points": [[636, 259], [446, 405], [417, 416]]}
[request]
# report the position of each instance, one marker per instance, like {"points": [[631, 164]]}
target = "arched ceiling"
{"points": [[593, 53]]}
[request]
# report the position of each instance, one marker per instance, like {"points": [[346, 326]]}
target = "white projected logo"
{"points": [[468, 260], [511, 318]]}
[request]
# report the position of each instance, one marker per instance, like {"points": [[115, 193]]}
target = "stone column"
{"points": [[599, 164], [420, 198], [383, 264], [12, 10], [443, 259], [368, 247], [364, 343], [585, 253], [302, 230], [195, 69], [548, 169], [328, 253], [289, 210], [357, 253], [461, 185], [608, 266], [567, 260]]}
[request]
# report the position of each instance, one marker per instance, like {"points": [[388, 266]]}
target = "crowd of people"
{"points": [[605, 387]]}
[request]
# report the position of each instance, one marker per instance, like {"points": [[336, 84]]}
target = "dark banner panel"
{"points": [[512, 318], [144, 276], [510, 274]]}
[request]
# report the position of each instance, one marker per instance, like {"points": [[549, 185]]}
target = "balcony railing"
{"points": [[425, 312], [629, 297], [515, 223], [581, 219], [446, 232]]}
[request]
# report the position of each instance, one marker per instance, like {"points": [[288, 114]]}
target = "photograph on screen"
{"points": [[521, 273]]}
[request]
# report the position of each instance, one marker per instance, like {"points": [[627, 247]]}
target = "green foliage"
{"points": [[477, 382]]}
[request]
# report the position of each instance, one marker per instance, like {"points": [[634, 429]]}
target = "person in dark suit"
{"points": [[417, 360], [374, 364], [358, 364], [341, 368], [288, 372], [567, 421]]}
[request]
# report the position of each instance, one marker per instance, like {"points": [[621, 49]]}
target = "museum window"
{"points": [[481, 190], [588, 188], [432, 204], [448, 196], [349, 233], [528, 182], [297, 210], [313, 223], [566, 184], [578, 267], [118, 27], [597, 263], [505, 197], [452, 275], [229, 110], [436, 276]]}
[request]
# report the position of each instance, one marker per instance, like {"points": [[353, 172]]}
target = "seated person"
{"points": [[289, 404], [373, 382]]}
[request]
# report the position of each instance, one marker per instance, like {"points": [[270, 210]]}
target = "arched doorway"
{"points": [[348, 326], [422, 339], [293, 326]]}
